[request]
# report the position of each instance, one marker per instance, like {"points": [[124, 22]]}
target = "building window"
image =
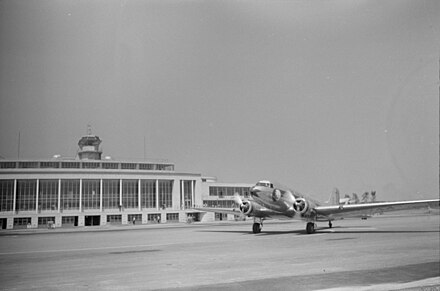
{"points": [[137, 218], [44, 221], [90, 194], [146, 166], [8, 165], [6, 195], [110, 165], [90, 165], [219, 203], [22, 222], [172, 217], [70, 194], [49, 165], [114, 219], [187, 194], [48, 195], [228, 191], [130, 192], [66, 220], [154, 217], [128, 166], [26, 195], [70, 165], [169, 167], [213, 191], [148, 193], [28, 164], [165, 193], [110, 194]]}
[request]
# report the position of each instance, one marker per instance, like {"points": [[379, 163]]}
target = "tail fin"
{"points": [[334, 197]]}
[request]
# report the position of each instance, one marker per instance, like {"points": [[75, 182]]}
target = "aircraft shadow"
{"points": [[333, 230]]}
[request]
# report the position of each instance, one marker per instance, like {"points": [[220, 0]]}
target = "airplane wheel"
{"points": [[256, 228], [310, 228]]}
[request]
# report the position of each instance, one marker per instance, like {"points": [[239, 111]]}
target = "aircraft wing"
{"points": [[383, 206], [262, 212], [233, 211]]}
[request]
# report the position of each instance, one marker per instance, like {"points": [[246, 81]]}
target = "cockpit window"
{"points": [[265, 184]]}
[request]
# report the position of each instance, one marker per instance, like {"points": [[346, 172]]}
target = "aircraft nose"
{"points": [[254, 191]]}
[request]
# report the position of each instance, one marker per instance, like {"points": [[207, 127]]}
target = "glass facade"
{"points": [[228, 191], [66, 198], [130, 192], [90, 194], [6, 195], [26, 195], [48, 195], [70, 194], [110, 194], [165, 194], [72, 164], [148, 193]]}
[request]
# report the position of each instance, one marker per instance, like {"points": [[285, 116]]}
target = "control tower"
{"points": [[89, 147]]}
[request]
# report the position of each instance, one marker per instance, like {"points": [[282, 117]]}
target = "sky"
{"points": [[310, 94]]}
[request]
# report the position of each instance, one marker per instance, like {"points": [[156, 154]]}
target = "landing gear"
{"points": [[258, 225], [256, 228], [330, 224], [310, 228]]}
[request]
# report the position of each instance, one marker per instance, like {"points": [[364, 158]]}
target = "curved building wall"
{"points": [[37, 193]]}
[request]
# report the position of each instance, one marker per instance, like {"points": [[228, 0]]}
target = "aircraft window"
{"points": [[265, 184]]}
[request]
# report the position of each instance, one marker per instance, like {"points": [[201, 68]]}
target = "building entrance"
{"points": [[3, 222], [221, 216], [195, 216], [92, 220]]}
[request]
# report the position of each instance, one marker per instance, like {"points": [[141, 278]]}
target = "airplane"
{"points": [[271, 201]]}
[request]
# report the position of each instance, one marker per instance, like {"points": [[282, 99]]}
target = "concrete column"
{"points": [[193, 182], [100, 195], [182, 193], [59, 195], [37, 196], [14, 208], [80, 197], [120, 192], [139, 195], [157, 194]]}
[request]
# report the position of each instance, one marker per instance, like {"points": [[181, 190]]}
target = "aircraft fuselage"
{"points": [[274, 199]]}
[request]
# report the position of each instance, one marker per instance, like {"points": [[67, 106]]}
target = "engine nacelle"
{"points": [[276, 195], [246, 207], [250, 208], [301, 205]]}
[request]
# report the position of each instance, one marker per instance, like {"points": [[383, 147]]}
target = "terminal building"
{"points": [[90, 191]]}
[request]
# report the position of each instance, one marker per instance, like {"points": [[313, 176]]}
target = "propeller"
{"points": [[244, 206], [300, 205], [237, 199]]}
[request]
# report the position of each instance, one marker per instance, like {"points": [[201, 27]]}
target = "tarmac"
{"points": [[383, 253]]}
